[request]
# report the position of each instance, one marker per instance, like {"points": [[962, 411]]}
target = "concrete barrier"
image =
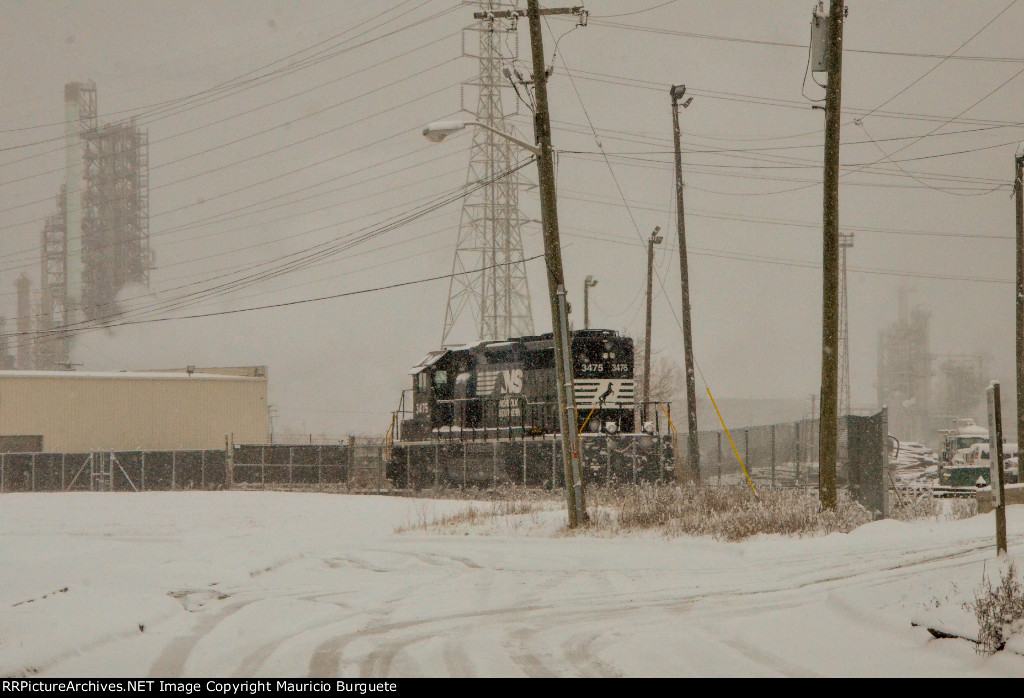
{"points": [[1014, 495]]}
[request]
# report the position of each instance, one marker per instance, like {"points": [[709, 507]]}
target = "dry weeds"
{"points": [[999, 610], [729, 513]]}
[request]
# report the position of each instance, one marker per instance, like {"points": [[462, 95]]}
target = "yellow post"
{"points": [[734, 449]]}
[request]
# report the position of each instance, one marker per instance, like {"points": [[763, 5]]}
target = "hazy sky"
{"points": [[329, 149]]}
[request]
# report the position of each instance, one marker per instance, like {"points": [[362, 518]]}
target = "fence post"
{"points": [[494, 465], [608, 467], [263, 467], [202, 469], [174, 462], [3, 462], [719, 459], [319, 467], [33, 472], [661, 459], [797, 463], [408, 467], [142, 476], [229, 463], [773, 455], [524, 458], [437, 464], [553, 471], [380, 469], [464, 465], [349, 457], [291, 457], [746, 451]]}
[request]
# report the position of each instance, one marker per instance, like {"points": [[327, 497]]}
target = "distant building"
{"points": [[81, 411]]}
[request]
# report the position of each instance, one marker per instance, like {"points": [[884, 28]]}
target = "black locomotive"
{"points": [[505, 389]]}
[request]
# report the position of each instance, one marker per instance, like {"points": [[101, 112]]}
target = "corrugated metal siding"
{"points": [[77, 413]]}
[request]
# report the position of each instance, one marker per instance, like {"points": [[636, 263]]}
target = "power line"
{"points": [[288, 263], [241, 211], [285, 304], [252, 185], [588, 197], [224, 89], [291, 121], [639, 12], [256, 155], [802, 47], [625, 81], [943, 61], [806, 264]]}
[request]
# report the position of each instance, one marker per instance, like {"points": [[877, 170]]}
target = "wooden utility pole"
{"points": [[588, 284], [693, 448], [997, 476], [828, 424], [1018, 188], [655, 239], [553, 256]]}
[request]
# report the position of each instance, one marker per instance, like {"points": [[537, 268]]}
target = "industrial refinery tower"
{"points": [[905, 372], [98, 240], [490, 237]]}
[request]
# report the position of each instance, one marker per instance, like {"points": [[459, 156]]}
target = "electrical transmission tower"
{"points": [[845, 243], [490, 237]]}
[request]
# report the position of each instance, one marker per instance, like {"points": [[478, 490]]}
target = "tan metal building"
{"points": [[80, 411]]}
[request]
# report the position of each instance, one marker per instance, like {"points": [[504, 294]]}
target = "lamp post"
{"points": [[588, 284], [677, 93], [437, 132]]}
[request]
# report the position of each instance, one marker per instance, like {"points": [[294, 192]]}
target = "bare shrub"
{"points": [[999, 610], [726, 513], [504, 492], [914, 506], [474, 515]]}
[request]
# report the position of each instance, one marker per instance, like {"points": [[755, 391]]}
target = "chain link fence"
{"points": [[780, 455], [355, 466], [606, 458], [117, 471]]}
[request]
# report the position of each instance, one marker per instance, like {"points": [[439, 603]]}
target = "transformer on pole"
{"points": [[490, 237]]}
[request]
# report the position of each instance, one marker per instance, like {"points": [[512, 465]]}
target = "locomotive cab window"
{"points": [[441, 378], [422, 384]]}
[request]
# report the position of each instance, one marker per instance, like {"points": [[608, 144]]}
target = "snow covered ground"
{"points": [[278, 584]]}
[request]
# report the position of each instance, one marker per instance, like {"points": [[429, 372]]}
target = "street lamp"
{"points": [[655, 239], [588, 284], [439, 130], [567, 418]]}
